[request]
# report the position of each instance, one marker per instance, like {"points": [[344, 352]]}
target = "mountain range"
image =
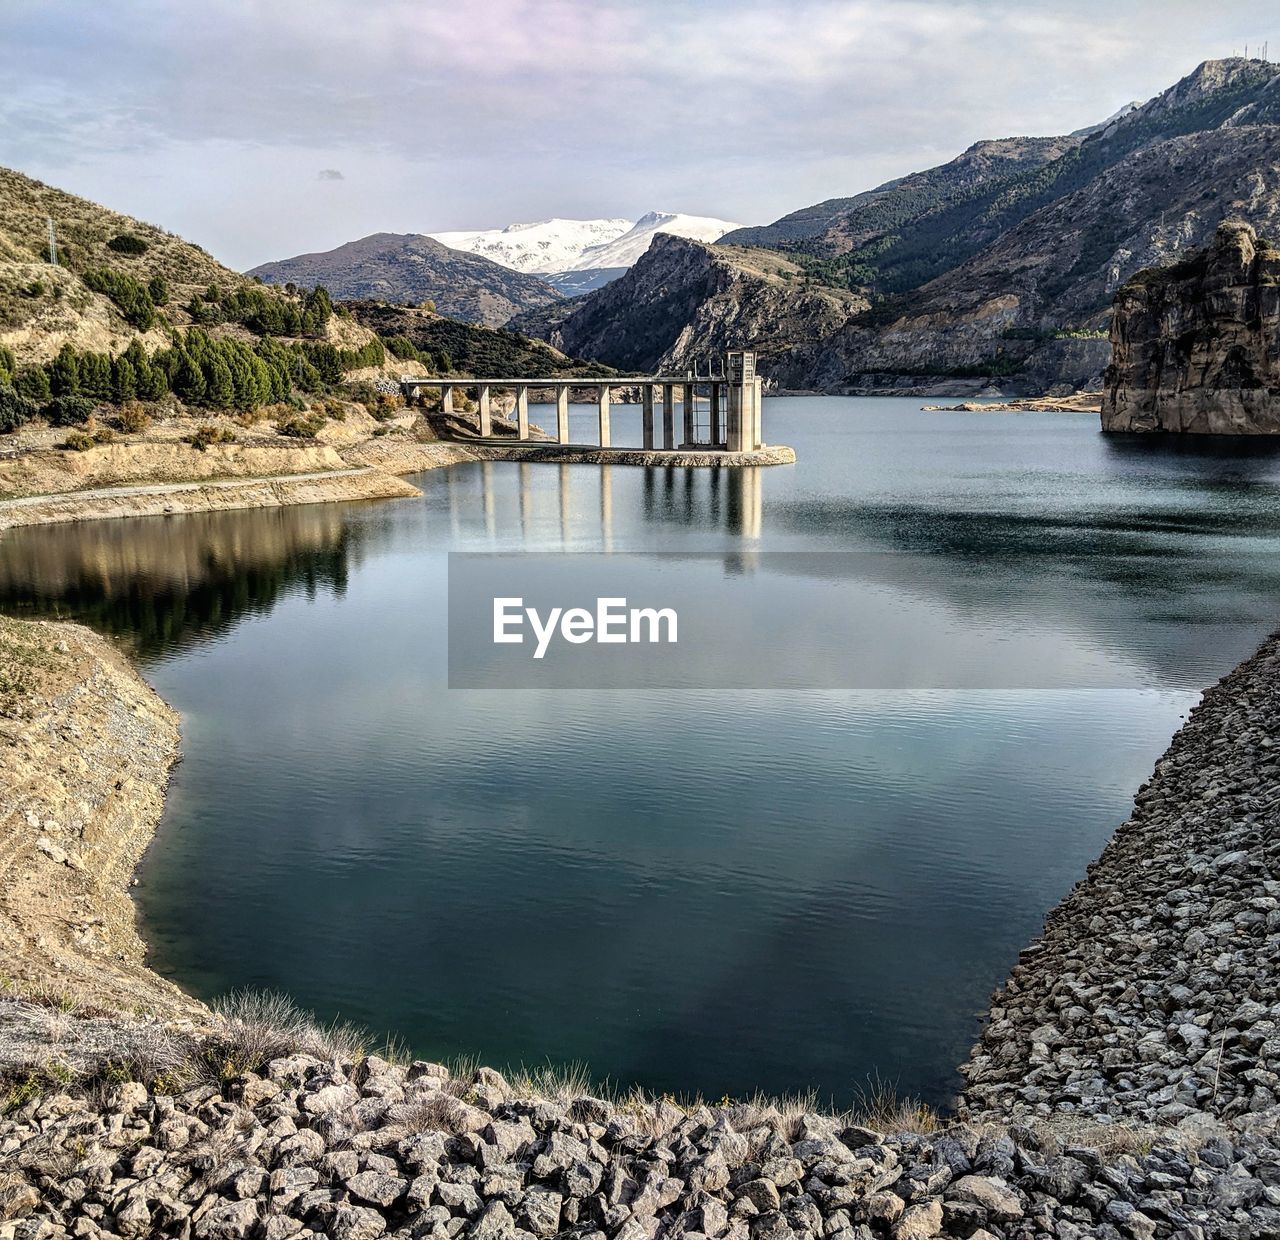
{"points": [[576, 256], [994, 269]]}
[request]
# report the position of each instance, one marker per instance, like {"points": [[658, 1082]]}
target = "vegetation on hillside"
{"points": [[447, 346]]}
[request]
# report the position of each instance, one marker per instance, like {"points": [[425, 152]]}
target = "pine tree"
{"points": [[124, 380], [188, 380], [64, 373], [95, 375], [33, 383], [220, 391]]}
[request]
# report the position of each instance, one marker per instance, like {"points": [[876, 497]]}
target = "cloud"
{"points": [[442, 115], [329, 174]]}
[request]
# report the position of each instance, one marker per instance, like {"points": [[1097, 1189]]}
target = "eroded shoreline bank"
{"points": [[334, 1142]]}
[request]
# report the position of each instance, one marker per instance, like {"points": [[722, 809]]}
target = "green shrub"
{"points": [[158, 289], [128, 243], [68, 410], [15, 410], [79, 441], [130, 297]]}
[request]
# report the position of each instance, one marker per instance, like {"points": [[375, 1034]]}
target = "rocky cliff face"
{"points": [[1193, 345], [684, 301]]}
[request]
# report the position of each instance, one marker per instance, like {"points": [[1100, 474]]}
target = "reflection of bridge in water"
{"points": [[712, 499]]}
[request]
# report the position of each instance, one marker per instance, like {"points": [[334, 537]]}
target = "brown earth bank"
{"points": [[1080, 402], [218, 461], [85, 751], [126, 1109]]}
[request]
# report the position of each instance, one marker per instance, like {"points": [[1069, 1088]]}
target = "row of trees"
{"points": [[197, 368], [136, 301], [264, 313]]}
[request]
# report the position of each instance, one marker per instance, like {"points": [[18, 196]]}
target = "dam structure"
{"points": [[718, 419]]}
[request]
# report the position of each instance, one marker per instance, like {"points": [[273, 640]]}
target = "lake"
{"points": [[702, 891]]}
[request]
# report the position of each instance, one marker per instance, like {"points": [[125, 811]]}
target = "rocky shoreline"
{"points": [[1154, 992], [1092, 1109]]}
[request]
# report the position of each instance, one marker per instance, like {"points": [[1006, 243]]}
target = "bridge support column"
{"points": [[646, 414], [446, 398], [486, 411], [714, 435], [668, 415], [604, 415], [689, 428], [562, 414], [522, 411], [734, 415]]}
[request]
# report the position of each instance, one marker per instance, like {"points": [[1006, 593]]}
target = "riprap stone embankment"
{"points": [[1154, 992]]}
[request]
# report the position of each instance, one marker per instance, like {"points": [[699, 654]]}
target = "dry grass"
{"points": [[258, 1026]]}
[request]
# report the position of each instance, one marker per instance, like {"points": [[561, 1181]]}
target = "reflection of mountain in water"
{"points": [[1183, 590], [164, 583]]}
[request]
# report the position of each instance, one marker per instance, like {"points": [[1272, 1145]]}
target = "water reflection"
{"points": [[165, 581]]}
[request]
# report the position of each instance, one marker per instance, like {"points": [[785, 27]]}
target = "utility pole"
{"points": [[53, 243]]}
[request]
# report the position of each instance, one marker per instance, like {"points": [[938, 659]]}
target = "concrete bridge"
{"points": [[718, 412]]}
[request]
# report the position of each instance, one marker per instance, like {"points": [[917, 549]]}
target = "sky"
{"points": [[267, 128]]}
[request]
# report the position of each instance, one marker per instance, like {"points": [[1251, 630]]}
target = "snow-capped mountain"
{"points": [[553, 246], [540, 249], [624, 250]]}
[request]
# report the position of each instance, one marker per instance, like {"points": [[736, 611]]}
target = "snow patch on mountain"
{"points": [[625, 250], [552, 246], [539, 248]]}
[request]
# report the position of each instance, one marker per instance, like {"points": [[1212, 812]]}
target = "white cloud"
{"points": [[214, 117]]}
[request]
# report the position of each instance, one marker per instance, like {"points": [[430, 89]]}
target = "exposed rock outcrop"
{"points": [[685, 301], [1194, 344]]}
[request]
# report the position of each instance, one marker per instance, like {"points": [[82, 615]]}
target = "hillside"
{"points": [[410, 268], [843, 225], [43, 305], [448, 346], [1000, 266], [927, 224], [684, 301]]}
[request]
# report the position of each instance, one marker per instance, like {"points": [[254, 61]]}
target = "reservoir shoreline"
{"points": [[1085, 1112]]}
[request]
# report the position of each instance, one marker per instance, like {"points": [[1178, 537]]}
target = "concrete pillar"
{"points": [[522, 411], [687, 402], [757, 414], [562, 414], [714, 435], [646, 414], [486, 410], [733, 416], [668, 415], [446, 398], [604, 415]]}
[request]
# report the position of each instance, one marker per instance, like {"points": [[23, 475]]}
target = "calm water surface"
{"points": [[708, 891]]}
